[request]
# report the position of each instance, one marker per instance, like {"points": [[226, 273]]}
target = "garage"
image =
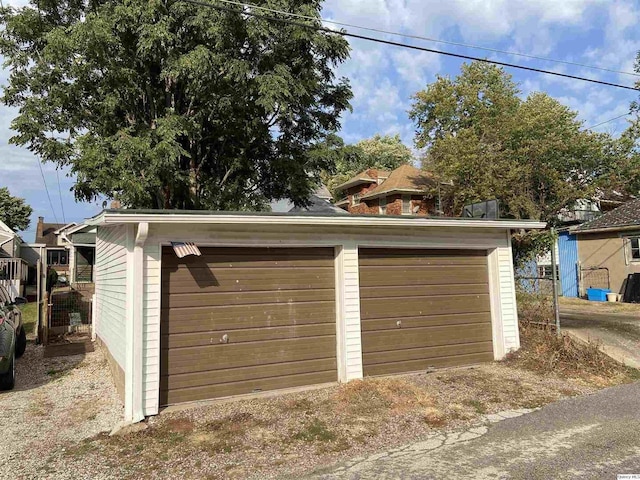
{"points": [[243, 320], [423, 308]]}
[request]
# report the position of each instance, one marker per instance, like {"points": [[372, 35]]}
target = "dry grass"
{"points": [[371, 396], [544, 352], [600, 307]]}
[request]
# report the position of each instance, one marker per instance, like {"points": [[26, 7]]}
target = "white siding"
{"points": [[151, 332], [508, 305], [111, 290]]}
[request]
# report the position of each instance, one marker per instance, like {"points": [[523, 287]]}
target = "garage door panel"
{"points": [[276, 306], [240, 388], [456, 360], [423, 290], [199, 379], [253, 257], [390, 323], [202, 280], [194, 339], [409, 354], [221, 356], [410, 275], [241, 316], [386, 257], [441, 298], [224, 299], [418, 306], [400, 339]]}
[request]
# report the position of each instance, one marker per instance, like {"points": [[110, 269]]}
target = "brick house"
{"points": [[404, 191]]}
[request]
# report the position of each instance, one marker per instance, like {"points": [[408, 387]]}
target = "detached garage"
{"points": [[193, 306]]}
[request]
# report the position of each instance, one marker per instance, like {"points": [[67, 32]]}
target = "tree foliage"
{"points": [[165, 104], [14, 211], [532, 154], [386, 152]]}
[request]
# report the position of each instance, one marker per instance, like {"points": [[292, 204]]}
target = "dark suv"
{"points": [[13, 337]]}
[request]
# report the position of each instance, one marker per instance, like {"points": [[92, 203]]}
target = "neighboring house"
{"points": [[69, 249], [608, 248], [405, 191], [13, 270], [271, 301]]}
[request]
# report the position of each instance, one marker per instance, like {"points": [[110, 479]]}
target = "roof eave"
{"points": [[110, 218], [622, 228], [354, 182], [392, 192]]}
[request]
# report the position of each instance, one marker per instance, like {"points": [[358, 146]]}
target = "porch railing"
{"points": [[13, 274]]}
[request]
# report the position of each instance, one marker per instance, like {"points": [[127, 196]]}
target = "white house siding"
{"points": [[111, 290], [151, 331]]}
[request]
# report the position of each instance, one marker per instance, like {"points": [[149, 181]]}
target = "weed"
{"points": [[434, 417], [477, 405], [315, 431], [371, 396]]}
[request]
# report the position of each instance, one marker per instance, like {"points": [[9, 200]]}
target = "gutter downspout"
{"points": [[137, 340]]}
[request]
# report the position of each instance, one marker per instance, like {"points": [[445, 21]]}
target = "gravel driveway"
{"points": [[55, 401]]}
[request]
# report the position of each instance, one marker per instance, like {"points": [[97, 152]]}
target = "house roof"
{"points": [[370, 175], [625, 217], [404, 179], [192, 217], [320, 205], [48, 236], [6, 230]]}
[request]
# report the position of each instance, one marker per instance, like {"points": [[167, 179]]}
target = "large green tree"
{"points": [[166, 104], [14, 211], [381, 151], [533, 155]]}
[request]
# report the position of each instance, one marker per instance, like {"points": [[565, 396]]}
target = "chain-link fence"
{"points": [[534, 291]]}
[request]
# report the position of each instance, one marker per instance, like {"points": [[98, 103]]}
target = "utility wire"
{"points": [[610, 120], [47, 190], [428, 39], [64, 219], [404, 45]]}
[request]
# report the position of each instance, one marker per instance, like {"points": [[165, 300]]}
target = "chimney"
{"points": [[115, 204], [39, 229]]}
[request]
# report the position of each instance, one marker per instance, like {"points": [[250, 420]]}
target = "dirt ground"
{"points": [[56, 402], [61, 412]]}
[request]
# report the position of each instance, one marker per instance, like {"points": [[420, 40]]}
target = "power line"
{"points": [[428, 39], [60, 195], [607, 121], [47, 190], [404, 45]]}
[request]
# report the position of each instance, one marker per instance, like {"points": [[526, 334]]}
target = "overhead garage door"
{"points": [[423, 308], [241, 320]]}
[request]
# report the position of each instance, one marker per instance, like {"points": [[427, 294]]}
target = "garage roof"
{"points": [[120, 216]]}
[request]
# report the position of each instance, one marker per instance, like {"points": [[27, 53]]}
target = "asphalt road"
{"points": [[589, 437], [618, 334]]}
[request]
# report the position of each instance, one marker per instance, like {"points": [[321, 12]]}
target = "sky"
{"points": [[384, 78]]}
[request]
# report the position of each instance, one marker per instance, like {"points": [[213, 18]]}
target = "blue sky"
{"points": [[595, 32]]}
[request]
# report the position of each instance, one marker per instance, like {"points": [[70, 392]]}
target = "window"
{"points": [[635, 248], [57, 257], [355, 199], [383, 205], [406, 204]]}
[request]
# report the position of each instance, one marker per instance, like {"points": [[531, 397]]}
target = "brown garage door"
{"points": [[423, 308], [240, 320]]}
